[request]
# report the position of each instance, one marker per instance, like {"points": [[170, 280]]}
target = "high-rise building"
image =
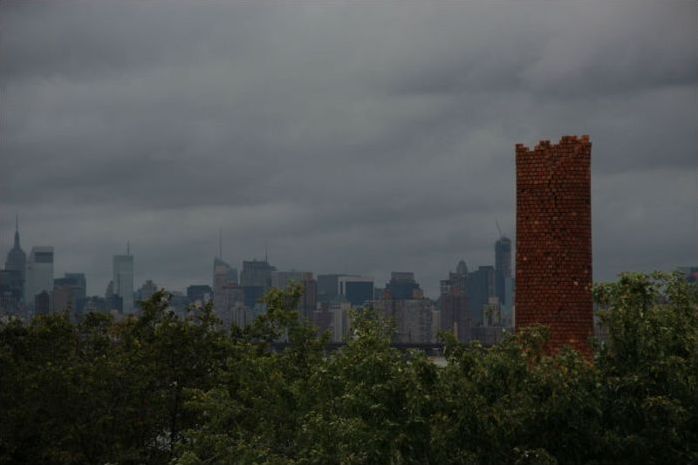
{"points": [[225, 290], [502, 266], [10, 291], [39, 273], [79, 281], [553, 240], [453, 303], [402, 286], [199, 293], [17, 261], [327, 288], [255, 280], [480, 287], [123, 281], [69, 293], [64, 301], [412, 318], [355, 289], [223, 274]]}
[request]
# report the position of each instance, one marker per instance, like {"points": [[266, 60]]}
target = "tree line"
{"points": [[160, 389]]}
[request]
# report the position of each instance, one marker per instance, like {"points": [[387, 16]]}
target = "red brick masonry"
{"points": [[553, 240]]}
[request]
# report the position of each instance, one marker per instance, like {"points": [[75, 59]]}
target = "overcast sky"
{"points": [[363, 138]]}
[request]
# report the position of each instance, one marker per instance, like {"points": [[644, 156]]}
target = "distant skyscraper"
{"points": [[123, 281], [17, 259], [412, 318], [480, 287], [223, 274], [502, 265], [10, 291], [402, 286], [355, 289], [199, 293], [255, 280], [39, 274], [80, 282], [454, 303]]}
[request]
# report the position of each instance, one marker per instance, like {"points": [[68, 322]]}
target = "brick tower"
{"points": [[553, 240]]}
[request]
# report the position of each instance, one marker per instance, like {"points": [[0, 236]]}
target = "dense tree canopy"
{"points": [[161, 389]]}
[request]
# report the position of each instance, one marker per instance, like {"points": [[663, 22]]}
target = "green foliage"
{"points": [[161, 389]]}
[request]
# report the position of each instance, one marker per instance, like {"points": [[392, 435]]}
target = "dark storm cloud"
{"points": [[349, 137]]}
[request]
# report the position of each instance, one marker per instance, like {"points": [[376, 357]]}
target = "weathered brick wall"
{"points": [[553, 240]]}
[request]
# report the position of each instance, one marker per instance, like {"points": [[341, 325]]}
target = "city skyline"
{"points": [[350, 140], [129, 258]]}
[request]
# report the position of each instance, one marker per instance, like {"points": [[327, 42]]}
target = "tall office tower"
{"points": [[123, 281], [39, 274], [480, 287], [255, 280], [453, 303], [502, 266], [553, 240], [17, 260], [402, 286], [327, 288], [223, 274], [355, 289]]}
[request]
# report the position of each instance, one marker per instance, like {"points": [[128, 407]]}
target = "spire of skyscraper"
{"points": [[16, 258]]}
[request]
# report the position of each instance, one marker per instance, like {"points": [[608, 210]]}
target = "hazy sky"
{"points": [[363, 137]]}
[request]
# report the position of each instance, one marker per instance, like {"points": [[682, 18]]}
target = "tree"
{"points": [[164, 389]]}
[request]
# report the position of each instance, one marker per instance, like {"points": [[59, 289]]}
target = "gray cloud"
{"points": [[351, 137]]}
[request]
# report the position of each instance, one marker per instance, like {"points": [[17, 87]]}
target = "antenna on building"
{"points": [[499, 230], [16, 222], [266, 252]]}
